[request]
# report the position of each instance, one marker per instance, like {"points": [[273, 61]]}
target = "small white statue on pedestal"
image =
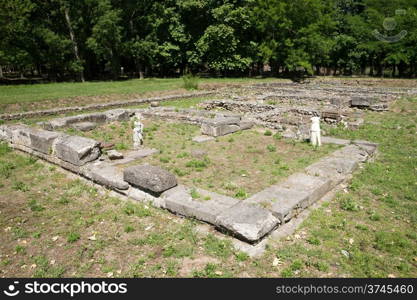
{"points": [[137, 133], [315, 137]]}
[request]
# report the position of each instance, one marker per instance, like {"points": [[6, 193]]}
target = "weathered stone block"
{"points": [[218, 130], [247, 221], [150, 178], [108, 176], [361, 102], [6, 131], [113, 154], [352, 152], [282, 202], [316, 187], [117, 115], [179, 200], [246, 125], [75, 149], [334, 168], [42, 140], [84, 126], [20, 135]]}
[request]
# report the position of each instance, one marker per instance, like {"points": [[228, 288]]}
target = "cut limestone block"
{"points": [[247, 221], [246, 125], [352, 152], [150, 178], [6, 132], [107, 175], [335, 169], [42, 140], [283, 202], [316, 187], [75, 149], [206, 208], [20, 135], [117, 115], [203, 138], [113, 154], [218, 130], [361, 102], [369, 147], [84, 126]]}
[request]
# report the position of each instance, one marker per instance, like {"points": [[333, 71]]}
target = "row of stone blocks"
{"points": [[212, 123], [249, 219], [253, 218]]}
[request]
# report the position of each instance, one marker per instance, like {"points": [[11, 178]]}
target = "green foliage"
{"points": [[72, 237], [295, 38], [190, 82]]}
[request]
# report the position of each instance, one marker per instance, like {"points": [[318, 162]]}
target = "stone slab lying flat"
{"points": [[282, 202], [369, 147], [352, 152], [149, 178], [134, 155], [247, 221], [107, 175], [219, 130], [203, 138], [37, 139], [179, 201], [333, 168], [316, 187], [75, 149]]}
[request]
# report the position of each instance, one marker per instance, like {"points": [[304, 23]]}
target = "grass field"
{"points": [[52, 225], [14, 98], [236, 165]]}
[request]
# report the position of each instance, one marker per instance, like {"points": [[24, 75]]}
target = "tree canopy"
{"points": [[91, 39]]}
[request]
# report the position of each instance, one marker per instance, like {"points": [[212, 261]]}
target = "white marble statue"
{"points": [[137, 133], [315, 137]]}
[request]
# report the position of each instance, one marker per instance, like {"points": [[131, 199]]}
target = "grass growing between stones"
{"points": [[369, 229], [236, 165]]}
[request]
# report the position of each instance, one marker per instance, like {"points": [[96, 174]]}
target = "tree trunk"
{"points": [[1, 72], [140, 69], [74, 42]]}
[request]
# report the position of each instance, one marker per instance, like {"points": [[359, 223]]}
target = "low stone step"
{"points": [[206, 208], [282, 202], [247, 221], [336, 169], [316, 187], [107, 175]]}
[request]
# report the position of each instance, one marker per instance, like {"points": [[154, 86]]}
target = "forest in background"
{"points": [[60, 40]]}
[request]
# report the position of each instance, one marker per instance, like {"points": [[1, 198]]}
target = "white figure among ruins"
{"points": [[315, 137], [137, 133]]}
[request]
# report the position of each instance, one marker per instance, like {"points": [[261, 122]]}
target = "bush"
{"points": [[271, 148], [190, 81]]}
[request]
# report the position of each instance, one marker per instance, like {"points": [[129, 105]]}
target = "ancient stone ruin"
{"points": [[280, 107]]}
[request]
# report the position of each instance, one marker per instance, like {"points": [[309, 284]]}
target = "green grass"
{"points": [[11, 94], [368, 229]]}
